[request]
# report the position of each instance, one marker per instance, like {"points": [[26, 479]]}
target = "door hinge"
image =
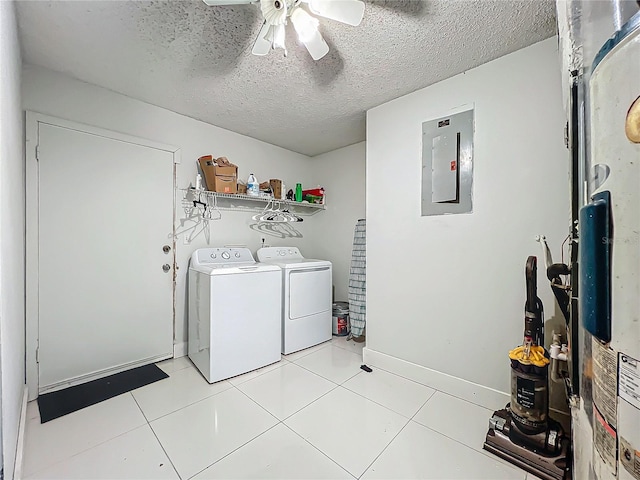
{"points": [[38, 153]]}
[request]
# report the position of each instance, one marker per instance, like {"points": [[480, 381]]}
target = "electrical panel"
{"points": [[447, 164]]}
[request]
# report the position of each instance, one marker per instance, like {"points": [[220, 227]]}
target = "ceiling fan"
{"points": [[277, 12]]}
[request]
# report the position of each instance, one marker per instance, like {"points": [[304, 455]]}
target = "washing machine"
{"points": [[306, 297], [235, 311]]}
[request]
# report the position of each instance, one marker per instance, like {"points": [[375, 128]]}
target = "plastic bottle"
{"points": [[253, 187], [298, 192]]}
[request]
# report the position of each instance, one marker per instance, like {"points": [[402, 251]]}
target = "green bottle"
{"points": [[298, 192]]}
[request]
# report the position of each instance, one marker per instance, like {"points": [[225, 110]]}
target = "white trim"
{"points": [[19, 463], [102, 373], [469, 391], [177, 157], [31, 253], [33, 119], [101, 132], [180, 350]]}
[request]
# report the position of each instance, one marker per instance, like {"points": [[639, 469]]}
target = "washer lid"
{"points": [[239, 268]]}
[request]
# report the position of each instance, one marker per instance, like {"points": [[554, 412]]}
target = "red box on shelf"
{"points": [[316, 192]]}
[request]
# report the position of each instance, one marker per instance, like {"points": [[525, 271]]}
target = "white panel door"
{"points": [[444, 165], [105, 213]]}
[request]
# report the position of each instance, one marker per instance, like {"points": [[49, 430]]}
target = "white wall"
{"points": [[342, 173], [55, 94], [447, 292], [11, 235]]}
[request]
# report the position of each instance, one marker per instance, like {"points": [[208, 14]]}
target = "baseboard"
{"points": [[180, 350], [458, 387], [17, 467]]}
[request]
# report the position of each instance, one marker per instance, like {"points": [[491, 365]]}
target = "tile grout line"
{"points": [[384, 406], [233, 451], [252, 400], [315, 373], [90, 448], [336, 386], [140, 408], [263, 408], [482, 452], [407, 420], [323, 377], [193, 403], [278, 422], [405, 426], [385, 448], [157, 439], [248, 441], [260, 374], [282, 422], [316, 448]]}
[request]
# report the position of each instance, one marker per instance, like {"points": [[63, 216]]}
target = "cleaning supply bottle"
{"points": [[253, 187], [298, 192]]}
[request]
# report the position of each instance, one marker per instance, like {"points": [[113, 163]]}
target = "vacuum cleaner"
{"points": [[522, 433]]}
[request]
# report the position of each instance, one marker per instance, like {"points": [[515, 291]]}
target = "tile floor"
{"points": [[315, 415]]}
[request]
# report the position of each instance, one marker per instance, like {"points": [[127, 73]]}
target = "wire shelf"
{"points": [[239, 201]]}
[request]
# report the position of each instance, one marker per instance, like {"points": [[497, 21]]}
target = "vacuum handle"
{"points": [[531, 277]]}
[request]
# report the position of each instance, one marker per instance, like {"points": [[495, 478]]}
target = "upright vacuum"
{"points": [[522, 433]]}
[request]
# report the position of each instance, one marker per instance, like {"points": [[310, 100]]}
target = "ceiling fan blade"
{"points": [[264, 40], [350, 12], [307, 28], [212, 3]]}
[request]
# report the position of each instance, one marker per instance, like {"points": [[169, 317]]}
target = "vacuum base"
{"points": [[534, 460]]}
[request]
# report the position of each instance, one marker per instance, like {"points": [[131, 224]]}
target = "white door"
{"points": [[105, 213]]}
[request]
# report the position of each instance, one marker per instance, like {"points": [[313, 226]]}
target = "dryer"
{"points": [[235, 311], [306, 297]]}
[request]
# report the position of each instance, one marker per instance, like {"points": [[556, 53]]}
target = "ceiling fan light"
{"points": [[306, 26]]}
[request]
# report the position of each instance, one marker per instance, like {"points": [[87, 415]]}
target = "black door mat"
{"points": [[56, 404]]}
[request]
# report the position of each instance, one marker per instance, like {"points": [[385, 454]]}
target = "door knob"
{"points": [[166, 267], [166, 249]]}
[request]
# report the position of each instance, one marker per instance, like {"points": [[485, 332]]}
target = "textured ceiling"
{"points": [[196, 60]]}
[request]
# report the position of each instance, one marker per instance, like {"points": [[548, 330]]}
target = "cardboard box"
{"points": [[224, 184], [242, 188], [276, 187], [220, 175]]}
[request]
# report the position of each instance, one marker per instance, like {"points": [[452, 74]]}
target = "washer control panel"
{"points": [[268, 254], [221, 256]]}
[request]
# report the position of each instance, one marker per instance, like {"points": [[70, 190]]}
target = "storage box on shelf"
{"points": [[220, 175], [276, 187], [314, 195]]}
